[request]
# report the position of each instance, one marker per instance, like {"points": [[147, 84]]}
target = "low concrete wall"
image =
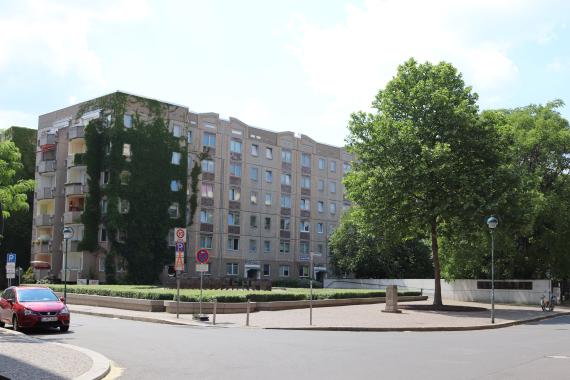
{"points": [[114, 302], [207, 307], [458, 290]]}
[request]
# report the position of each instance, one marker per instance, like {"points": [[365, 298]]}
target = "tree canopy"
{"points": [[12, 191]]}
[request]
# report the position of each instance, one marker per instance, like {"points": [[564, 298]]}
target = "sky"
{"points": [[301, 66]]}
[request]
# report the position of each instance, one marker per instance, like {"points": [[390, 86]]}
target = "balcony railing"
{"points": [[41, 247], [76, 132], [77, 159], [47, 138], [45, 193], [46, 166], [72, 217], [44, 220], [75, 189]]}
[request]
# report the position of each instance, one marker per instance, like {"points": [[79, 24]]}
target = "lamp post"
{"points": [[492, 222], [67, 234]]}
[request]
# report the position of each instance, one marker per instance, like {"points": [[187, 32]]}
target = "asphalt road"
{"points": [[156, 351]]}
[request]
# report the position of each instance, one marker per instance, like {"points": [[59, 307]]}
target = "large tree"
{"points": [[12, 190], [423, 158]]}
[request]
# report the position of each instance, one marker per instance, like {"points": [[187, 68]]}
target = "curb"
{"points": [[101, 364], [422, 329], [140, 319]]}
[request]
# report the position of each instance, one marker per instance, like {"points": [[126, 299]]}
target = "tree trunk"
{"points": [[437, 271]]}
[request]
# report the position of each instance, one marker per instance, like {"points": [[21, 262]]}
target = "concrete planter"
{"points": [[114, 302], [208, 307]]}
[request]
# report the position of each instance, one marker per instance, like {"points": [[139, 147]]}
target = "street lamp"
{"points": [[492, 222], [67, 234]]}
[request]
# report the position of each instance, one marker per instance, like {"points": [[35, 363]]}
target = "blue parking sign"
{"points": [[11, 257]]}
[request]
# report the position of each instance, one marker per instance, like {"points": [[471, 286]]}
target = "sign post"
{"points": [[10, 267], [202, 257], [180, 238]]}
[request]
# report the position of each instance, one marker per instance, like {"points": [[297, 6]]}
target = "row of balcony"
{"points": [[68, 217], [46, 247]]}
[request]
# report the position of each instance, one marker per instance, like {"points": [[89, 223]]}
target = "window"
{"points": [[286, 156], [283, 270], [177, 130], [321, 206], [285, 224], [284, 246], [104, 206], [305, 204], [320, 228], [332, 166], [269, 153], [253, 221], [332, 207], [103, 234], [321, 185], [101, 264], [331, 229], [253, 173], [235, 169], [124, 177], [268, 176], [305, 182], [303, 271], [206, 241], [306, 160], [209, 140], [286, 201], [122, 236], [189, 137], [267, 246], [254, 150], [127, 150], [268, 199], [286, 179], [346, 167], [209, 125], [206, 216], [176, 156], [233, 219], [234, 194], [320, 248], [207, 190], [208, 166], [235, 146], [124, 206], [253, 197], [253, 246], [267, 224], [332, 187], [304, 226], [175, 185], [266, 270], [105, 176], [232, 269], [173, 211], [233, 243], [128, 121], [322, 163], [304, 248]]}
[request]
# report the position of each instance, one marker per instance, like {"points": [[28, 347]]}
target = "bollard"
{"points": [[215, 309], [247, 316]]}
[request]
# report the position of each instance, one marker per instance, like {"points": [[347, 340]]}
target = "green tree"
{"points": [[12, 191], [423, 158]]}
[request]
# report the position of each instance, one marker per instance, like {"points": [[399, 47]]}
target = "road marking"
{"points": [[558, 357], [115, 372]]}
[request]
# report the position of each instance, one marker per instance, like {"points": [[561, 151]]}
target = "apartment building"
{"points": [[265, 199]]}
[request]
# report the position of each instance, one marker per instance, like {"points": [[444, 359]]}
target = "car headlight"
{"points": [[29, 312], [64, 311]]}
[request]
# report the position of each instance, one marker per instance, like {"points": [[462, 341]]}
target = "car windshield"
{"points": [[36, 295]]}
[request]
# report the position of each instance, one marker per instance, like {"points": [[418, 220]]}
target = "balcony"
{"points": [[77, 159], [47, 139], [41, 247], [75, 188], [45, 193], [44, 220], [72, 247], [72, 217], [46, 166], [76, 132]]}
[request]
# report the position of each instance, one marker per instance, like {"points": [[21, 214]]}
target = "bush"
{"points": [[28, 276], [295, 283]]}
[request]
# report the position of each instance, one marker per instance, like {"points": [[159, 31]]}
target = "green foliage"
{"points": [[12, 190], [423, 158], [193, 295]]}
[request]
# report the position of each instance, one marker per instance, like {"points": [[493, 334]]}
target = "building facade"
{"points": [[265, 200]]}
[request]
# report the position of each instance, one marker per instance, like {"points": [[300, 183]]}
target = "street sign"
{"points": [[180, 234], [202, 267], [304, 258], [202, 256], [11, 257], [179, 262], [180, 245]]}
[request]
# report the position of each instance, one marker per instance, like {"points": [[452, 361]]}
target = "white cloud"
{"points": [[351, 60], [10, 118], [55, 35]]}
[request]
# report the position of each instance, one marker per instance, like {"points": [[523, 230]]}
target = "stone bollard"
{"points": [[391, 299]]}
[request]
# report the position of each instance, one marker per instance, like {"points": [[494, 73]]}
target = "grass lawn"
{"points": [[189, 295]]}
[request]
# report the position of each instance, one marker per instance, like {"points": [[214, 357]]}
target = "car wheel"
{"points": [[15, 324], [2, 324], [64, 328]]}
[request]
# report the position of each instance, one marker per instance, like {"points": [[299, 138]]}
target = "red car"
{"points": [[24, 307]]}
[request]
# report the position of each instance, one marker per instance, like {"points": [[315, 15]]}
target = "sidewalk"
{"points": [[351, 318], [24, 357]]}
